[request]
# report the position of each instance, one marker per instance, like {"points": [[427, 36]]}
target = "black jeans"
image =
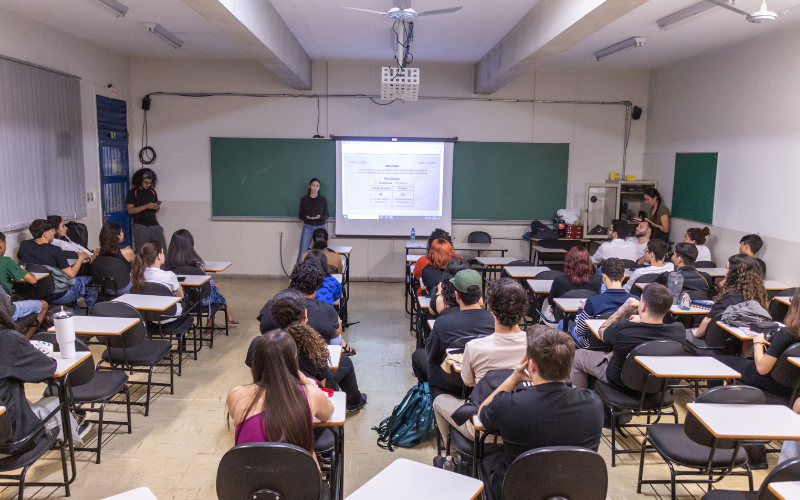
{"points": [[345, 376], [419, 363]]}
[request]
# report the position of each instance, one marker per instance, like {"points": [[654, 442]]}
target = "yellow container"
{"points": [[614, 176], [630, 177]]}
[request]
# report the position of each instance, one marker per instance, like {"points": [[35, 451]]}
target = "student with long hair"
{"points": [[146, 268], [313, 213], [444, 300], [422, 262], [110, 239], [697, 237], [578, 274], [331, 290], [440, 254], [319, 241], [143, 205], [280, 403], [659, 214], [181, 253], [63, 242]]}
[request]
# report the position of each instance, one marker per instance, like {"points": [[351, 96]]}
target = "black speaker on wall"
{"points": [[636, 113]]}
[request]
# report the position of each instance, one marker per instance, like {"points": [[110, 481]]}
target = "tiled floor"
{"points": [[175, 451]]}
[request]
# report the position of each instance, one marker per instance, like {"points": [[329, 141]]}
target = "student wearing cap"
{"points": [[143, 205]]}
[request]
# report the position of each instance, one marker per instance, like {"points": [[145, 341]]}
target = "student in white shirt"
{"points": [[618, 247], [655, 253], [640, 238], [697, 237], [146, 268], [63, 242]]}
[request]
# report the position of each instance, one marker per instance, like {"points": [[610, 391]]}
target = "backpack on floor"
{"points": [[411, 421]]}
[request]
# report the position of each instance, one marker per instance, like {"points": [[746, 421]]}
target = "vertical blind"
{"points": [[41, 145]]}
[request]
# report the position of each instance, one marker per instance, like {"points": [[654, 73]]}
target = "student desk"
{"points": [[413, 258], [216, 267], [743, 334], [569, 306], [192, 280], [344, 251], [431, 322], [786, 490], [335, 355], [535, 241], [714, 272], [424, 302], [538, 251], [337, 277], [143, 493], [493, 262], [594, 327], [743, 422], [39, 276], [784, 300], [540, 286], [336, 423], [687, 367], [100, 325], [525, 271], [148, 302], [416, 245], [480, 247], [675, 309], [794, 361], [775, 286], [2, 409], [404, 479]]}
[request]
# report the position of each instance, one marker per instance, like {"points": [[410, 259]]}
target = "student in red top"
{"points": [[437, 234]]}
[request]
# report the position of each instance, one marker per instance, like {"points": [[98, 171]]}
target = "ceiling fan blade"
{"points": [[790, 10], [366, 10], [440, 11], [724, 5]]}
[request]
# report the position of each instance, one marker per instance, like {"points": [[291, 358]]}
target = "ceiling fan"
{"points": [[762, 15], [398, 12]]}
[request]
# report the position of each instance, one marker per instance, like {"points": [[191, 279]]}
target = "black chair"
{"points": [[209, 311], [549, 275], [779, 310], [89, 387], [691, 445], [269, 471], [786, 471], [642, 280], [722, 342], [647, 394], [558, 314], [175, 330], [786, 374], [479, 237], [26, 451], [704, 264], [629, 264], [519, 263], [111, 275], [131, 349], [549, 473]]}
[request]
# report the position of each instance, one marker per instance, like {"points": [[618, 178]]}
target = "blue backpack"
{"points": [[411, 421]]}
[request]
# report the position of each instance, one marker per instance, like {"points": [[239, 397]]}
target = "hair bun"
{"points": [[706, 231]]}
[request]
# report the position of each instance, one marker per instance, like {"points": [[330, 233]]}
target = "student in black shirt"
{"points": [[578, 274], [443, 298], [548, 414], [143, 205], [624, 335], [698, 283], [313, 213], [751, 245]]}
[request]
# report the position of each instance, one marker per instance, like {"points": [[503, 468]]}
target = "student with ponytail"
{"points": [[146, 268], [697, 237]]}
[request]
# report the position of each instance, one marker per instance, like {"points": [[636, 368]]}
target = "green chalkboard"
{"points": [[267, 177], [509, 180], [694, 186]]}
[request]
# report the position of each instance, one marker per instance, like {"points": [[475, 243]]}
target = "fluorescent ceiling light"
{"points": [[636, 41], [164, 34], [691, 12], [112, 7]]}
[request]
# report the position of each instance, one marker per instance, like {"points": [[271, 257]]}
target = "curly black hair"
{"points": [[287, 307], [507, 301], [140, 174], [306, 277], [614, 269]]}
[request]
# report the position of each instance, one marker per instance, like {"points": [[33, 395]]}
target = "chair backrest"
{"points": [[45, 286], [549, 275], [84, 373], [578, 294], [704, 264], [784, 372], [696, 294], [779, 310], [111, 274], [519, 263], [5, 427], [726, 394], [161, 290], [645, 278], [552, 472], [629, 264], [635, 376], [274, 471], [479, 237], [197, 293], [131, 337], [785, 471]]}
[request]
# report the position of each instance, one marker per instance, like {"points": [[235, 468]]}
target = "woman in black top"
{"points": [[143, 205], [443, 300], [313, 213], [110, 244]]}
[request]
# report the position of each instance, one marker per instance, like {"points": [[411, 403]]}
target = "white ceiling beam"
{"points": [[551, 27], [257, 27]]}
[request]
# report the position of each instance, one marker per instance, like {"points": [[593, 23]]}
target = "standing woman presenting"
{"points": [[313, 213], [659, 214], [143, 205]]}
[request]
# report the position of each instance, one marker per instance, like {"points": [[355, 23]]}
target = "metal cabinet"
{"points": [[612, 200]]}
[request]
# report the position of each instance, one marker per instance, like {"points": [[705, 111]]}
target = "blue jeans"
{"points": [[79, 289], [305, 239]]}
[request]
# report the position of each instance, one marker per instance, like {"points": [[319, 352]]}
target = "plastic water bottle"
{"points": [[675, 285], [448, 464], [413, 235], [603, 288]]}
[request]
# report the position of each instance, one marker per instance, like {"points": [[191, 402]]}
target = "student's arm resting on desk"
{"points": [[630, 306], [319, 402], [509, 385], [764, 362], [700, 331], [73, 270]]}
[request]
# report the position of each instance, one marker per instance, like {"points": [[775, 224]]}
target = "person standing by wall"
{"points": [[313, 213], [143, 205]]}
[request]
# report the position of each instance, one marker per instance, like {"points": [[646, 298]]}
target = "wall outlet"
{"points": [[90, 197], [278, 233]]}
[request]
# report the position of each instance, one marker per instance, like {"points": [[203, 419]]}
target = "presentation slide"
{"points": [[387, 187]]}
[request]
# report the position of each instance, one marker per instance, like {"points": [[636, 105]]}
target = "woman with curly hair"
{"points": [[744, 281], [143, 205], [578, 274], [444, 300]]}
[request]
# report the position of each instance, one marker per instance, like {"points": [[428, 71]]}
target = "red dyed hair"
{"points": [[440, 254], [578, 265]]}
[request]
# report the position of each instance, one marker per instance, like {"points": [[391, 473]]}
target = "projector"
{"points": [[400, 84]]}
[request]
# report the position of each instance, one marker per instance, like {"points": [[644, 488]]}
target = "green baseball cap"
{"points": [[466, 278]]}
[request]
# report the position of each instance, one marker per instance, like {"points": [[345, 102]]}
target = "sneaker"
{"points": [[438, 461], [84, 428], [358, 406]]}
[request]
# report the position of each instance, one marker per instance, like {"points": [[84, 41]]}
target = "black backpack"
{"points": [[78, 233], [541, 232]]}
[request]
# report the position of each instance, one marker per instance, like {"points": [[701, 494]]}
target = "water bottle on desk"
{"points": [[413, 235], [65, 333], [675, 285]]}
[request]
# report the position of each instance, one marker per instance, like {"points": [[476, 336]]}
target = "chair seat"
{"points": [[324, 441], [629, 401], [180, 325], [730, 495], [671, 441], [149, 352], [24, 459], [104, 385], [461, 443]]}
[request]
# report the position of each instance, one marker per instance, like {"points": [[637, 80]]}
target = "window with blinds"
{"points": [[41, 145]]}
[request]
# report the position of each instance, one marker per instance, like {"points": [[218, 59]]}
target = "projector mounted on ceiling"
{"points": [[399, 84]]}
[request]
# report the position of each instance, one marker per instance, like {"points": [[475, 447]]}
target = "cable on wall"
{"points": [[147, 155]]}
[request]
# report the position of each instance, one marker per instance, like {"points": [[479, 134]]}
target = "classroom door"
{"points": [[112, 128]]}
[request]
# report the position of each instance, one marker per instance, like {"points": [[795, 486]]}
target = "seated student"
{"points": [[503, 349], [110, 244], [643, 234], [654, 254], [11, 271], [320, 242], [288, 309], [697, 237], [624, 335], [751, 245], [331, 290], [698, 283], [578, 274], [280, 403], [423, 261], [69, 286], [470, 320], [63, 242], [548, 414], [610, 300], [443, 299], [146, 268], [743, 282], [618, 247], [440, 254], [181, 253]]}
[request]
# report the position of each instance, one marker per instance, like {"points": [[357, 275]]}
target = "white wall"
{"points": [[741, 102], [179, 130], [30, 41]]}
